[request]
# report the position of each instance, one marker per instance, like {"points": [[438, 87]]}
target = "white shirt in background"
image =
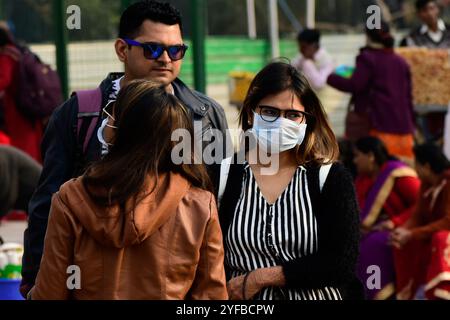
{"points": [[317, 70], [435, 36]]}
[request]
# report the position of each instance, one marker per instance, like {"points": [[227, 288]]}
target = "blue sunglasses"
{"points": [[154, 50]]}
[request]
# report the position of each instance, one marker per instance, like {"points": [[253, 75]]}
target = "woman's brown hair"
{"points": [[145, 117], [320, 145]]}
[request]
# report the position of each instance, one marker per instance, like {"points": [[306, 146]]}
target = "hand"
{"points": [[385, 225], [235, 286], [400, 237]]}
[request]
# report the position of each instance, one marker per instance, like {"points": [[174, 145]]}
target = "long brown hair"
{"points": [[145, 116], [320, 145]]}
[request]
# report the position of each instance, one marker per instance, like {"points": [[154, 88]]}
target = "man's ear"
{"points": [[121, 50]]}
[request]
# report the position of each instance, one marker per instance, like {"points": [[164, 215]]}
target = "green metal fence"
{"points": [[84, 57], [225, 54]]}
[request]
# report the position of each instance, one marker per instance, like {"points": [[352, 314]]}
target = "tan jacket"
{"points": [[168, 247]]}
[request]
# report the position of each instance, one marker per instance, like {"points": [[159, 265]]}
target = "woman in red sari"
{"points": [[23, 133], [387, 192], [422, 257]]}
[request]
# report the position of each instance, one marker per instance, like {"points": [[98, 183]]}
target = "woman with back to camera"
{"points": [[137, 225], [382, 91], [288, 234]]}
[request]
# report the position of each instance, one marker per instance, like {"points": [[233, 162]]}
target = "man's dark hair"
{"points": [[310, 36], [134, 16], [420, 4], [432, 154], [382, 36]]}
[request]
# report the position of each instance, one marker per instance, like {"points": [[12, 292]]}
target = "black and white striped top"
{"points": [[265, 235]]}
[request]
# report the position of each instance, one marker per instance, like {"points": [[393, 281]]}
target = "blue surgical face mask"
{"points": [[279, 135]]}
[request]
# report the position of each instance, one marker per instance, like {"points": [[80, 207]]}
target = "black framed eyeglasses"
{"points": [[271, 114], [154, 50]]}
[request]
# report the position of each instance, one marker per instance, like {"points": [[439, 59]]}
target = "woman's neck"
{"points": [[282, 161]]}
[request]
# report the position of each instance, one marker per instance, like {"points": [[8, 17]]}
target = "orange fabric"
{"points": [[399, 145]]}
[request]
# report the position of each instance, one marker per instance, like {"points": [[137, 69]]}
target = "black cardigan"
{"points": [[337, 215]]}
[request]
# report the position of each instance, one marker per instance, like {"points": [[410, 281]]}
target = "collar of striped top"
{"points": [[246, 166]]}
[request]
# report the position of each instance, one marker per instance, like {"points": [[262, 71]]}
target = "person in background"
{"points": [[150, 231], [313, 60], [19, 175], [382, 90], [23, 133], [289, 235], [434, 33], [422, 243], [387, 191]]}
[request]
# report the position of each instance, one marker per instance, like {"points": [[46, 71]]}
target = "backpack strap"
{"points": [[89, 105], [224, 170]]}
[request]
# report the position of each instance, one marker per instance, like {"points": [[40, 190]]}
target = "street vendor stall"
{"points": [[430, 69]]}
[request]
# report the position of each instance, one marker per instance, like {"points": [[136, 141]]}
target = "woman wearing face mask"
{"points": [[136, 225], [288, 233]]}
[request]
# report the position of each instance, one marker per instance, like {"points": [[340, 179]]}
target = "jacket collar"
{"points": [[181, 90], [188, 97]]}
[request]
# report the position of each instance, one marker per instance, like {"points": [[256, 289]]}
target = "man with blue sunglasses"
{"points": [[150, 45]]}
